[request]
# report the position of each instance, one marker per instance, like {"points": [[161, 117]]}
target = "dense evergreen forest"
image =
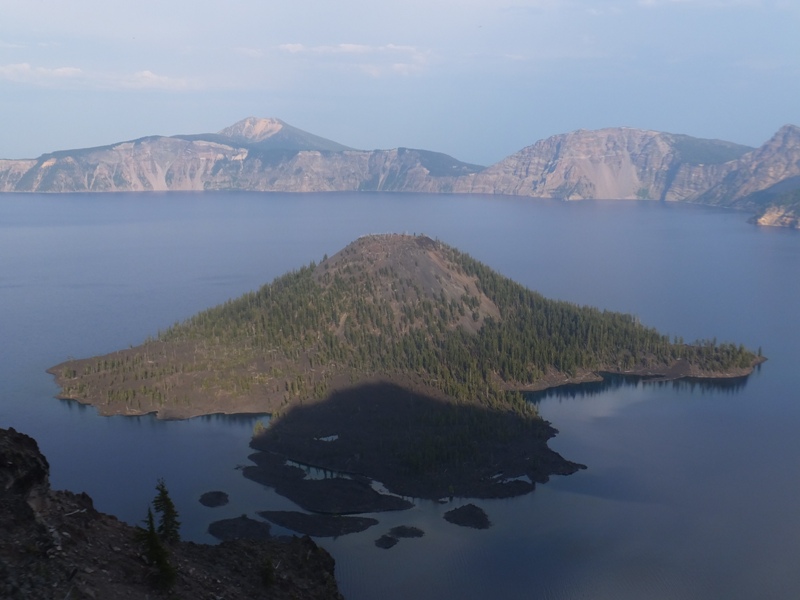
{"points": [[405, 308]]}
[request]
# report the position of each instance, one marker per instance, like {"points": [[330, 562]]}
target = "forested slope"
{"points": [[405, 309]]}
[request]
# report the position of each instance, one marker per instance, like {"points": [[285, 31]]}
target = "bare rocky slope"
{"points": [[253, 154], [270, 155], [54, 545]]}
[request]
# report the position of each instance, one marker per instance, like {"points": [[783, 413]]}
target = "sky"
{"points": [[476, 79]]}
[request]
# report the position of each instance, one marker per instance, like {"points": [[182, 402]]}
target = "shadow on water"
{"points": [[611, 382], [416, 445]]}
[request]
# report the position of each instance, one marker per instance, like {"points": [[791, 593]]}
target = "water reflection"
{"points": [[150, 418], [612, 382]]}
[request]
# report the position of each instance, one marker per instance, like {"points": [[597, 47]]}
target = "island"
{"points": [[399, 359]]}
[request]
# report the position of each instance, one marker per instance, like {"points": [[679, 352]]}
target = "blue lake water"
{"points": [[691, 491]]}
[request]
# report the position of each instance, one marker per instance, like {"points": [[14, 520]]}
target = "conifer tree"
{"points": [[168, 523], [156, 553]]}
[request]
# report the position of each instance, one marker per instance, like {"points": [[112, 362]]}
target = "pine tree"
{"points": [[168, 523], [156, 553]]}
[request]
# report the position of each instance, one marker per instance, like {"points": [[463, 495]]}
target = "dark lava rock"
{"points": [[54, 545], [468, 515], [318, 525], [214, 499], [372, 418], [240, 528], [386, 541], [405, 531], [333, 496]]}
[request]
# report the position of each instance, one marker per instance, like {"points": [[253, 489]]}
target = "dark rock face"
{"points": [[24, 477], [53, 544]]}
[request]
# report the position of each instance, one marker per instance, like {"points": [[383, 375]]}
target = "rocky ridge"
{"points": [[270, 155]]}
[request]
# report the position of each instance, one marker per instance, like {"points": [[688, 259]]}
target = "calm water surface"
{"points": [[691, 491]]}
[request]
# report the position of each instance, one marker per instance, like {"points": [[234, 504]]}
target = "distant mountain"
{"points": [[616, 163], [270, 155], [268, 134], [253, 154], [766, 176]]}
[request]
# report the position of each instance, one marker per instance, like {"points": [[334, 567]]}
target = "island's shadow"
{"points": [[414, 444]]}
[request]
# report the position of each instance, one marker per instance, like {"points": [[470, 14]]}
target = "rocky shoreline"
{"points": [[54, 544]]}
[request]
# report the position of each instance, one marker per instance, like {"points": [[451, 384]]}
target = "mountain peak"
{"points": [[253, 129], [788, 134], [394, 260]]}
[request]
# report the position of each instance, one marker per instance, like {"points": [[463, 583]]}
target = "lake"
{"points": [[691, 491]]}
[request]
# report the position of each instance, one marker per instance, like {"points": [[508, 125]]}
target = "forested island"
{"points": [[399, 358]]}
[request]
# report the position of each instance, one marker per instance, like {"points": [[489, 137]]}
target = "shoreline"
{"points": [[681, 370]]}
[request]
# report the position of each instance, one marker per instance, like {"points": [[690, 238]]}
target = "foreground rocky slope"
{"points": [[54, 545], [270, 155]]}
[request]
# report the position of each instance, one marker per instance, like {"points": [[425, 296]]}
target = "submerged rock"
{"points": [[468, 515], [240, 528], [386, 541], [214, 499], [318, 525]]}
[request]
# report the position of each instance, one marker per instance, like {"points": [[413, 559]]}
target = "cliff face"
{"points": [[259, 155], [617, 163], [11, 171], [270, 155], [780, 216], [776, 161]]}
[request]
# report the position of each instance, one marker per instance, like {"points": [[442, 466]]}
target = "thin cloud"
{"points": [[250, 52], [150, 80], [66, 77], [26, 73], [374, 61]]}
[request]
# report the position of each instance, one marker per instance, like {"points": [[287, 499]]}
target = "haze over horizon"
{"points": [[475, 79]]}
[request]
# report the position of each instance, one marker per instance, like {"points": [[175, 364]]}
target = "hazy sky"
{"points": [[477, 79]]}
